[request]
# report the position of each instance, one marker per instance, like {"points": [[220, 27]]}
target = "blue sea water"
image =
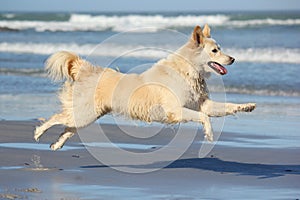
{"points": [[266, 46]]}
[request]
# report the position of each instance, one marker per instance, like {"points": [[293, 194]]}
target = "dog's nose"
{"points": [[232, 60]]}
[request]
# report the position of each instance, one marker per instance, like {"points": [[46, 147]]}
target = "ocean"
{"points": [[266, 46]]}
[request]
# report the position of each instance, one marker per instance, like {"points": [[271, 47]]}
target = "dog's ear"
{"points": [[206, 31], [197, 36]]}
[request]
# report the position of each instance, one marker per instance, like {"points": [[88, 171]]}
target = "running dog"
{"points": [[173, 90]]}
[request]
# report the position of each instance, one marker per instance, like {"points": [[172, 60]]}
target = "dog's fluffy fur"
{"points": [[173, 90]]}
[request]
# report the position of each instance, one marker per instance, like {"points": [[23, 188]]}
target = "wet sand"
{"points": [[30, 170]]}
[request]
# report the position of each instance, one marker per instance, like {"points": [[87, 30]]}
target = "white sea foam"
{"points": [[36, 72], [262, 55], [9, 15], [265, 55], [85, 22], [267, 92], [81, 22], [128, 22], [111, 50], [268, 21]]}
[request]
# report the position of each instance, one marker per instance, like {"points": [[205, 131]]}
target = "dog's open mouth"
{"points": [[217, 67]]}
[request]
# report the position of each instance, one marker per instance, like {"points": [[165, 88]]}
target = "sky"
{"points": [[146, 5]]}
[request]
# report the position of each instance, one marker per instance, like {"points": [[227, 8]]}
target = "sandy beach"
{"points": [[30, 170]]}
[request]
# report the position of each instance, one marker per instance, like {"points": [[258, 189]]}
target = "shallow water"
{"points": [[220, 192], [121, 145], [35, 146], [46, 147]]}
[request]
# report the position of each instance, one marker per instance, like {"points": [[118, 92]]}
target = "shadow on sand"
{"points": [[218, 165], [222, 166]]}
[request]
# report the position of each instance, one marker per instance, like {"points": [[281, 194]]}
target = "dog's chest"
{"points": [[197, 93]]}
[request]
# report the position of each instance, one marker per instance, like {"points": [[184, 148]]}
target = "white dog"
{"points": [[173, 90]]}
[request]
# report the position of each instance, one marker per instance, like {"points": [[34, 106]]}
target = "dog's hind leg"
{"points": [[54, 120], [68, 133], [70, 130]]}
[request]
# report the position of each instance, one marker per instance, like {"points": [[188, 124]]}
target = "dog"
{"points": [[173, 90]]}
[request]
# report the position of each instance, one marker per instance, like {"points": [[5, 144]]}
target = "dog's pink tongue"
{"points": [[222, 70]]}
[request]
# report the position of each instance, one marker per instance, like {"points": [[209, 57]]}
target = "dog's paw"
{"points": [[37, 134], [209, 137], [55, 146], [208, 134], [249, 107]]}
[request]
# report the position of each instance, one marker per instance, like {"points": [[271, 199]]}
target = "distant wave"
{"points": [[266, 92], [23, 71], [81, 22], [261, 22], [86, 22], [266, 55], [263, 55], [9, 15], [254, 91]]}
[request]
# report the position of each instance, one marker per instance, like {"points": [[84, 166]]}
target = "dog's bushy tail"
{"points": [[63, 65]]}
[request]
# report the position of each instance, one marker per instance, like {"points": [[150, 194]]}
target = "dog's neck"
{"points": [[185, 70], [186, 53], [179, 64], [185, 67]]}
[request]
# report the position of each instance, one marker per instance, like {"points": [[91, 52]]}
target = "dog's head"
{"points": [[204, 52]]}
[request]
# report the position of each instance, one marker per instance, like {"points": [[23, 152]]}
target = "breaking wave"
{"points": [[23, 71], [263, 91], [260, 55], [118, 23]]}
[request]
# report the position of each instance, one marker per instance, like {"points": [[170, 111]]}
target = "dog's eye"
{"points": [[215, 50]]}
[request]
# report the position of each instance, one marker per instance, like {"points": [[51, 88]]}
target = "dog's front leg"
{"points": [[185, 115], [217, 109]]}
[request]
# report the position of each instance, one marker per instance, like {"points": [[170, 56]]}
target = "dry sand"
{"points": [[30, 170]]}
